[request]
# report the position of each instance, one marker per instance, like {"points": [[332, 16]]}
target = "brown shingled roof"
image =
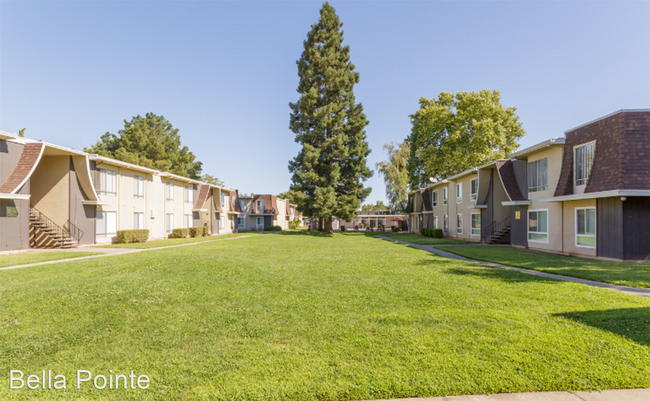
{"points": [[270, 204], [234, 202], [507, 173], [32, 153], [203, 196]]}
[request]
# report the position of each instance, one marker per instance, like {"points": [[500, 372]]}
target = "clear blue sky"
{"points": [[224, 72]]}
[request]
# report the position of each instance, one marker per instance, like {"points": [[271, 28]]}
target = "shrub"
{"points": [[180, 232], [423, 232], [206, 231], [395, 229], [294, 224], [273, 228], [195, 231], [437, 233], [132, 236], [342, 228]]}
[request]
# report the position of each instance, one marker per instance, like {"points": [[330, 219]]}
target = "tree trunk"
{"points": [[328, 225], [320, 224]]}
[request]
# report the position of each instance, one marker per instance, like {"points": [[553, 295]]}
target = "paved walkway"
{"points": [[643, 292], [607, 395], [106, 252]]}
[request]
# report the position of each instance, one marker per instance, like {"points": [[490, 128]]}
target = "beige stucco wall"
{"points": [[50, 188], [570, 227], [465, 208]]}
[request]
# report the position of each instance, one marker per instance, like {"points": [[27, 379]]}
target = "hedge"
{"points": [[273, 228], [196, 231], [206, 231], [395, 229], [180, 232], [437, 233], [132, 236]]}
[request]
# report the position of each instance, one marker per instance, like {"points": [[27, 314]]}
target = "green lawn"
{"points": [[419, 240], [628, 274], [174, 241], [311, 316], [36, 257]]}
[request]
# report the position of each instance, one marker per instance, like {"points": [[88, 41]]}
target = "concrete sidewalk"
{"points": [[106, 252], [642, 292], [607, 395]]}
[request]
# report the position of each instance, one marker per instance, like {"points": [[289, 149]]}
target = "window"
{"points": [[106, 223], [189, 194], [241, 205], [169, 222], [459, 192], [473, 189], [260, 222], [138, 221], [188, 221], [435, 222], [586, 227], [434, 198], [138, 187], [459, 224], [446, 223], [231, 219], [241, 222], [260, 206], [169, 191], [476, 223], [583, 160], [445, 195], [538, 175], [538, 226], [222, 222], [107, 182], [223, 201]]}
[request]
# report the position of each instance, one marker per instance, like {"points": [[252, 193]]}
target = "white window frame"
{"points": [[257, 222], [107, 232], [534, 184], [107, 182], [459, 224], [241, 222], [446, 223], [260, 210], [472, 228], [169, 191], [528, 232], [242, 205], [459, 192], [586, 235], [222, 222], [138, 220], [138, 187], [445, 195], [473, 195], [169, 222], [434, 198], [223, 201], [435, 221], [188, 221], [575, 165], [189, 194]]}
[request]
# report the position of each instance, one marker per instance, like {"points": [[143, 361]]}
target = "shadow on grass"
{"points": [[496, 273], [300, 233], [632, 323]]}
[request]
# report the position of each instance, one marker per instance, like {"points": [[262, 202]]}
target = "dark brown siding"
{"points": [[268, 220], [519, 228], [609, 228], [520, 168], [487, 214], [635, 151], [636, 228]]}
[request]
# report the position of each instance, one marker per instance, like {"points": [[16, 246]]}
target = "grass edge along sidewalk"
{"points": [[29, 258], [635, 275]]}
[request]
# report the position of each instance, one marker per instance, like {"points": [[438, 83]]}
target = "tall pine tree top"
{"points": [[329, 171]]}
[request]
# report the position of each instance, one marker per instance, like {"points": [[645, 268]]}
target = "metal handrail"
{"points": [[489, 231], [55, 228]]}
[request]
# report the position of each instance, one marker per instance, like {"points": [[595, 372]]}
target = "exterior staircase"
{"points": [[44, 233], [497, 233]]}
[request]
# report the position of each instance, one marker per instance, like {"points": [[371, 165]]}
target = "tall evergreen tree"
{"points": [[329, 170]]}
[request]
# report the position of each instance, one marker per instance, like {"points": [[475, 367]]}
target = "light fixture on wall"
{"points": [[623, 198]]}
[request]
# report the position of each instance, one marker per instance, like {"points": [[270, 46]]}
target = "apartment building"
{"points": [[52, 196], [266, 210], [586, 194]]}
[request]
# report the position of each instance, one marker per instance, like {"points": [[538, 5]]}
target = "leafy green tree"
{"points": [[212, 180], [21, 133], [459, 131], [377, 206], [396, 175], [329, 171], [149, 141]]}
